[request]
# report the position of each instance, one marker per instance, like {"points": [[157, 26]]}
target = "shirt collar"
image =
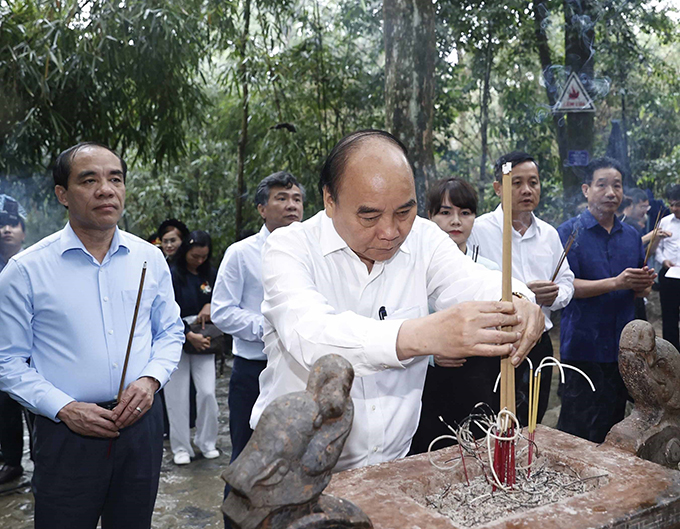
{"points": [[330, 239], [332, 242], [71, 241], [589, 221], [264, 232], [534, 228]]}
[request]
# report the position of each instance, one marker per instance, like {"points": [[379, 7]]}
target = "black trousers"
{"points": [[11, 430], [669, 294], [591, 415], [79, 479], [453, 392], [244, 388]]}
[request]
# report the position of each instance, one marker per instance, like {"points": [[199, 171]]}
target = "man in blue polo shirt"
{"points": [[607, 260]]}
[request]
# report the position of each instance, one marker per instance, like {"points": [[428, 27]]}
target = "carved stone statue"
{"points": [[650, 368], [278, 479]]}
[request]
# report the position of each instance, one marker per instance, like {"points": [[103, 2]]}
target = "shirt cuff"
{"points": [[52, 403], [380, 346], [155, 371]]}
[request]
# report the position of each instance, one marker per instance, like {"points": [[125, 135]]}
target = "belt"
{"points": [[108, 405]]}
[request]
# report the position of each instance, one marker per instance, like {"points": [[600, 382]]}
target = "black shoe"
{"points": [[9, 473]]}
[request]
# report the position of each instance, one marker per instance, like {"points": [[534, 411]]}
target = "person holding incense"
{"points": [[67, 307], [356, 279], [668, 254], [536, 257], [452, 205], [607, 259]]}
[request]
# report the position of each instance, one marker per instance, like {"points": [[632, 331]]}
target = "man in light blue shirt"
{"points": [[238, 295], [66, 309]]}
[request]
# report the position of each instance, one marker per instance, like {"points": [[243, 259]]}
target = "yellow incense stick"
{"points": [[507, 369]]}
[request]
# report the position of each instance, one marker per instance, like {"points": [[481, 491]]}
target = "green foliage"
{"points": [[122, 73], [160, 82]]}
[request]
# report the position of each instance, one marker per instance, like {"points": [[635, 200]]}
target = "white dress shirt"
{"points": [[534, 254], [669, 248], [70, 316], [237, 296], [319, 298]]}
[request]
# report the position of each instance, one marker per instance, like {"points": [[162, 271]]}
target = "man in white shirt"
{"points": [[668, 253], [328, 283], [536, 251], [237, 296]]}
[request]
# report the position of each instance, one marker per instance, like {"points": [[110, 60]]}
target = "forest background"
{"points": [[206, 97]]}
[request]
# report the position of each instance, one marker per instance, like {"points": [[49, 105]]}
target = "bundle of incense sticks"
{"points": [[567, 247], [534, 389], [651, 242], [504, 453]]}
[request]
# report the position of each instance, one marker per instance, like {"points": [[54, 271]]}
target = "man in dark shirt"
{"points": [[607, 260], [12, 235]]}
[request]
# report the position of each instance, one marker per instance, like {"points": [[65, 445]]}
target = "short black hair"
{"points": [[280, 179], [515, 158], [601, 163], [674, 193], [62, 166], [169, 224], [195, 238], [460, 192], [335, 163], [636, 195]]}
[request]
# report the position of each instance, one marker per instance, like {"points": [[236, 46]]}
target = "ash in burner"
{"points": [[477, 503]]}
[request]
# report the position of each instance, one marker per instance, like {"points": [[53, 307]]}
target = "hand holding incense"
{"points": [[654, 234], [132, 332]]}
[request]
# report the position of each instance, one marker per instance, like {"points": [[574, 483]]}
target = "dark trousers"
{"points": [[540, 351], [452, 393], [244, 388], [587, 414], [669, 294], [11, 430], [79, 479]]}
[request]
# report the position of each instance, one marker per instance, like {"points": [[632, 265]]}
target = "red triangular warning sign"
{"points": [[574, 97]]}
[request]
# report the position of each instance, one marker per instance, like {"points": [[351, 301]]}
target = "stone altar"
{"points": [[636, 494]]}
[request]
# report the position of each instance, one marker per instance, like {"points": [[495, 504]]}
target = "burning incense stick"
{"points": [[132, 331], [651, 242], [507, 369], [570, 241], [504, 456]]}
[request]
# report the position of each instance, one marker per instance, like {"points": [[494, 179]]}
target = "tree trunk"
{"points": [[486, 95], [243, 137], [551, 88], [410, 51], [579, 57]]}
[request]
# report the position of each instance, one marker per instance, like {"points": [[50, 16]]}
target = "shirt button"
{"points": [[385, 366], [115, 366], [106, 298], [375, 448], [373, 407], [110, 331]]}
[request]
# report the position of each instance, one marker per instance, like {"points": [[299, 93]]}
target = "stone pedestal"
{"points": [[636, 494]]}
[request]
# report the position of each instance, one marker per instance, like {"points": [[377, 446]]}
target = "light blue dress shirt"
{"points": [[70, 316], [237, 297]]}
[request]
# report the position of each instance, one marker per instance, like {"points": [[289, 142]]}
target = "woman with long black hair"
{"points": [[193, 279]]}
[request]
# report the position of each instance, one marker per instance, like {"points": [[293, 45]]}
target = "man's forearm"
{"points": [[586, 288]]}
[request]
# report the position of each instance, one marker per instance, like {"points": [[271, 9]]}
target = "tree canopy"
{"points": [[171, 84]]}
